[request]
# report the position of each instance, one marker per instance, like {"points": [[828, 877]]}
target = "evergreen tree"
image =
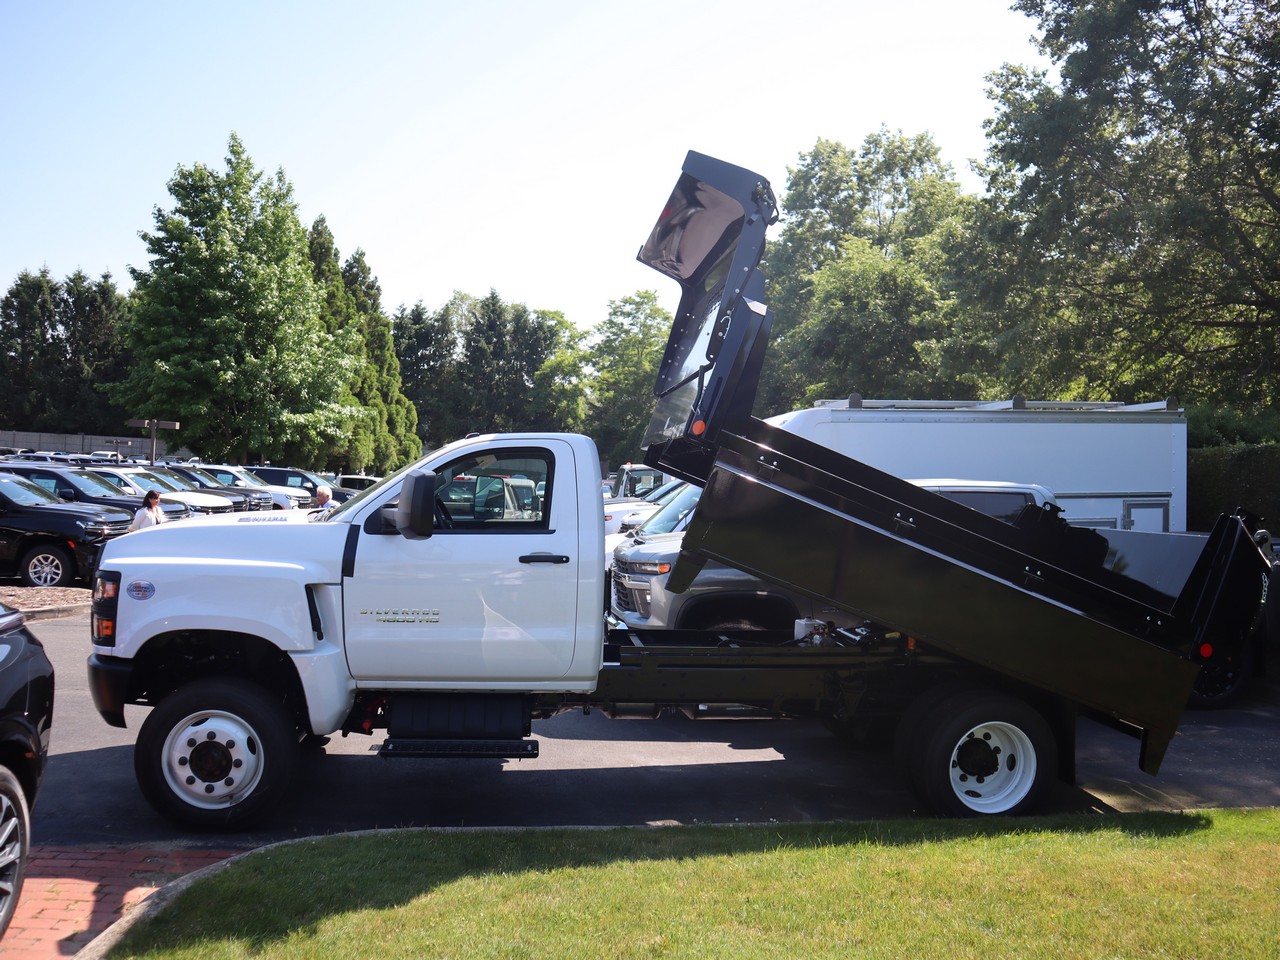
{"points": [[29, 352], [90, 316], [428, 348], [227, 335]]}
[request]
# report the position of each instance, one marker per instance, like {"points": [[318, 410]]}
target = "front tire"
{"points": [[983, 754], [15, 844], [47, 566], [217, 754]]}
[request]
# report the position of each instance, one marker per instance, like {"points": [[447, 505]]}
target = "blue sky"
{"points": [[521, 146]]}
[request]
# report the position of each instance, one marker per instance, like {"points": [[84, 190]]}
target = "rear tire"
{"points": [[217, 754], [983, 754], [15, 844], [47, 566]]}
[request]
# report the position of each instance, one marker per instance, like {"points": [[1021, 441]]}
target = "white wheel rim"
{"points": [[212, 759], [993, 767]]}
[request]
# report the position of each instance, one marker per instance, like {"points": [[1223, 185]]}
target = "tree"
{"points": [[59, 347], [93, 357], [227, 336], [382, 435], [859, 280], [504, 346], [1135, 201], [623, 357], [427, 346], [28, 351]]}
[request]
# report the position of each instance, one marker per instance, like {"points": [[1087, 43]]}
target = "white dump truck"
{"points": [[448, 629]]}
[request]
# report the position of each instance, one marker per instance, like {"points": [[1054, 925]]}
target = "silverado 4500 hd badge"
{"points": [[403, 616]]}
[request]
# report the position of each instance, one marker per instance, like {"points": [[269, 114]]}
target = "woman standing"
{"points": [[150, 513]]}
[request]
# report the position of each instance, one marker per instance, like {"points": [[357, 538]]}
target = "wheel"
{"points": [[983, 754], [47, 566], [217, 754], [1222, 679], [15, 844]]}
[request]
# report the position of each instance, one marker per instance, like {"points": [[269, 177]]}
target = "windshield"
{"points": [[91, 484], [669, 516], [25, 492], [208, 479], [149, 481], [176, 479]]}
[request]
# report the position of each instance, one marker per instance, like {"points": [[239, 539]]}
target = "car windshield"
{"points": [[668, 517], [149, 481], [204, 477], [176, 479], [91, 484], [22, 491]]}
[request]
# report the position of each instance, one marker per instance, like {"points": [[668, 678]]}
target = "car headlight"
{"points": [[92, 528], [650, 567]]}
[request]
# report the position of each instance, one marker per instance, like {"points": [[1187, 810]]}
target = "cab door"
{"points": [[488, 597]]}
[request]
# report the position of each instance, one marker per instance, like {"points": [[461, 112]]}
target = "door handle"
{"points": [[544, 558]]}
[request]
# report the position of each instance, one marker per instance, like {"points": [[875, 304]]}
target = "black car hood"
{"points": [[84, 511]]}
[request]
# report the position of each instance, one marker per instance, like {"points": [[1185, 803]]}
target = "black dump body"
{"points": [[1054, 606]]}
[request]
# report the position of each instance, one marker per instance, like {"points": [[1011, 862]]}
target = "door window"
{"points": [[495, 491]]}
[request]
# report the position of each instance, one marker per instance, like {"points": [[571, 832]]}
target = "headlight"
{"points": [[652, 568], [93, 528]]}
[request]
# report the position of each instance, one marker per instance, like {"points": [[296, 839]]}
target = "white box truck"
{"points": [[1116, 465]]}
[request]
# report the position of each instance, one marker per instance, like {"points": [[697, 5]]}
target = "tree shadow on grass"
{"points": [[289, 889]]}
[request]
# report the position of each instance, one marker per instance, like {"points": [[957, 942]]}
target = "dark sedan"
{"points": [[26, 714]]}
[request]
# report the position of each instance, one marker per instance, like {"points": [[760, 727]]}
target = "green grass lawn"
{"points": [[1194, 885]]}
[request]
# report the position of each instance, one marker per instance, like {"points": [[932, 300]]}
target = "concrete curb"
{"points": [[57, 613]]}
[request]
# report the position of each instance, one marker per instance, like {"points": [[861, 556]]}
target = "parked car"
{"points": [[48, 542], [26, 718], [137, 480], [300, 479], [635, 510], [77, 485], [355, 481], [286, 498], [242, 498]]}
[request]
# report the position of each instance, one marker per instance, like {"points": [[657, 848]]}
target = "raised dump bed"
{"points": [[1039, 602]]}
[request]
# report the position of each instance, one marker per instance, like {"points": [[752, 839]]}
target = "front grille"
{"points": [[626, 599], [117, 527], [205, 511]]}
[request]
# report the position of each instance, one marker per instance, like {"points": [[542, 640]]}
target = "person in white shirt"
{"points": [[150, 513], [324, 502]]}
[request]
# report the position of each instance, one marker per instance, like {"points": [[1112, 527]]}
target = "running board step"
{"points": [[402, 747]]}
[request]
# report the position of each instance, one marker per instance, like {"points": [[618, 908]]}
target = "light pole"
{"points": [[154, 425]]}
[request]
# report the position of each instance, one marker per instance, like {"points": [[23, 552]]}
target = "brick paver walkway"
{"points": [[72, 894]]}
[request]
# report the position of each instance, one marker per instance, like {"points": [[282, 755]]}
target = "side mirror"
{"points": [[414, 513]]}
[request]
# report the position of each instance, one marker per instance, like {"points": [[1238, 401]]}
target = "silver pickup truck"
{"points": [[724, 598]]}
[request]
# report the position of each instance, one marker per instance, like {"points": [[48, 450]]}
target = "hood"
{"points": [[661, 546], [86, 511]]}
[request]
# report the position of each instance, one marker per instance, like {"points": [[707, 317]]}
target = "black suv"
{"points": [[84, 486], [48, 542], [302, 480], [26, 713]]}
